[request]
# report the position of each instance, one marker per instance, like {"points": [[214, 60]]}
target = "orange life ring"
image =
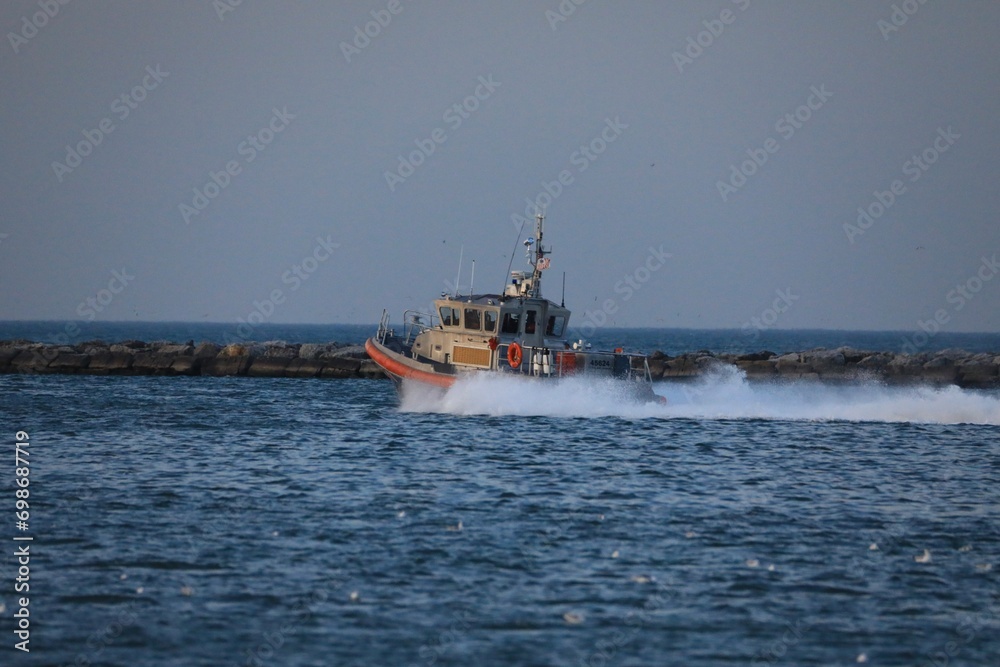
{"points": [[514, 355]]}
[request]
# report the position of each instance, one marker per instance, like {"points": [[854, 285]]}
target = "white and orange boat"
{"points": [[517, 333]]}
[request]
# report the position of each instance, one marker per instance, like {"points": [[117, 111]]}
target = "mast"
{"points": [[536, 262]]}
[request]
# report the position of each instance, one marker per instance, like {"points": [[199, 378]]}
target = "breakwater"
{"points": [[274, 359], [339, 360]]}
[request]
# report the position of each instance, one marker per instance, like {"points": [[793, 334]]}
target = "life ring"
{"points": [[514, 355]]}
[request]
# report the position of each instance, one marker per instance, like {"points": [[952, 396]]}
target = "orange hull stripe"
{"points": [[404, 371]]}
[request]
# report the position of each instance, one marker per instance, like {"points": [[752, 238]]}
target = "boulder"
{"points": [[234, 350], [223, 365], [69, 363], [280, 350], [269, 367], [314, 350], [348, 352], [763, 355], [207, 350], [32, 360], [758, 368], [7, 355], [186, 364], [174, 350], [826, 362], [109, 363], [369, 369], [151, 363], [978, 371], [304, 368]]}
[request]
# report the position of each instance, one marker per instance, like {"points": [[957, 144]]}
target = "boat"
{"points": [[517, 333]]}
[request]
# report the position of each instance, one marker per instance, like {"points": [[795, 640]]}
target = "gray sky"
{"points": [[331, 113]]}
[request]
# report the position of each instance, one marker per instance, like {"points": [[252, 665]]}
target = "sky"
{"points": [[825, 164]]}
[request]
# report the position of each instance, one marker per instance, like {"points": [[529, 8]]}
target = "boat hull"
{"points": [[399, 367]]}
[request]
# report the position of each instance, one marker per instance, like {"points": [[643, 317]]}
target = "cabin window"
{"points": [[529, 323], [555, 325], [450, 316], [510, 324], [490, 320], [472, 318]]}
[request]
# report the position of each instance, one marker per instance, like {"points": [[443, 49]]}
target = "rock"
{"points": [[69, 363], [792, 365], [763, 355], [151, 363], [32, 360], [234, 350], [109, 363], [826, 362], [280, 350], [906, 365], [369, 369], [174, 350], [7, 355], [269, 366], [349, 352], [225, 365], [313, 350], [187, 364], [978, 371], [875, 362], [346, 364], [758, 368], [304, 368], [207, 351]]}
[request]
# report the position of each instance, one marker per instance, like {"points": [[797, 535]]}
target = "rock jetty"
{"points": [[944, 367], [133, 357], [337, 360]]}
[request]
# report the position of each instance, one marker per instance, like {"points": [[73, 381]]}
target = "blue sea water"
{"points": [[257, 521], [671, 341]]}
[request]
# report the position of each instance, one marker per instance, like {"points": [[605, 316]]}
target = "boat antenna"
{"points": [[459, 276], [520, 230], [472, 283], [563, 303]]}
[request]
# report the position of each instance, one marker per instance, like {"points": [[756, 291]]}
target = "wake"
{"points": [[721, 394]]}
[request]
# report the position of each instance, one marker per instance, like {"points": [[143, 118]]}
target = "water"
{"points": [[671, 341], [242, 521]]}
